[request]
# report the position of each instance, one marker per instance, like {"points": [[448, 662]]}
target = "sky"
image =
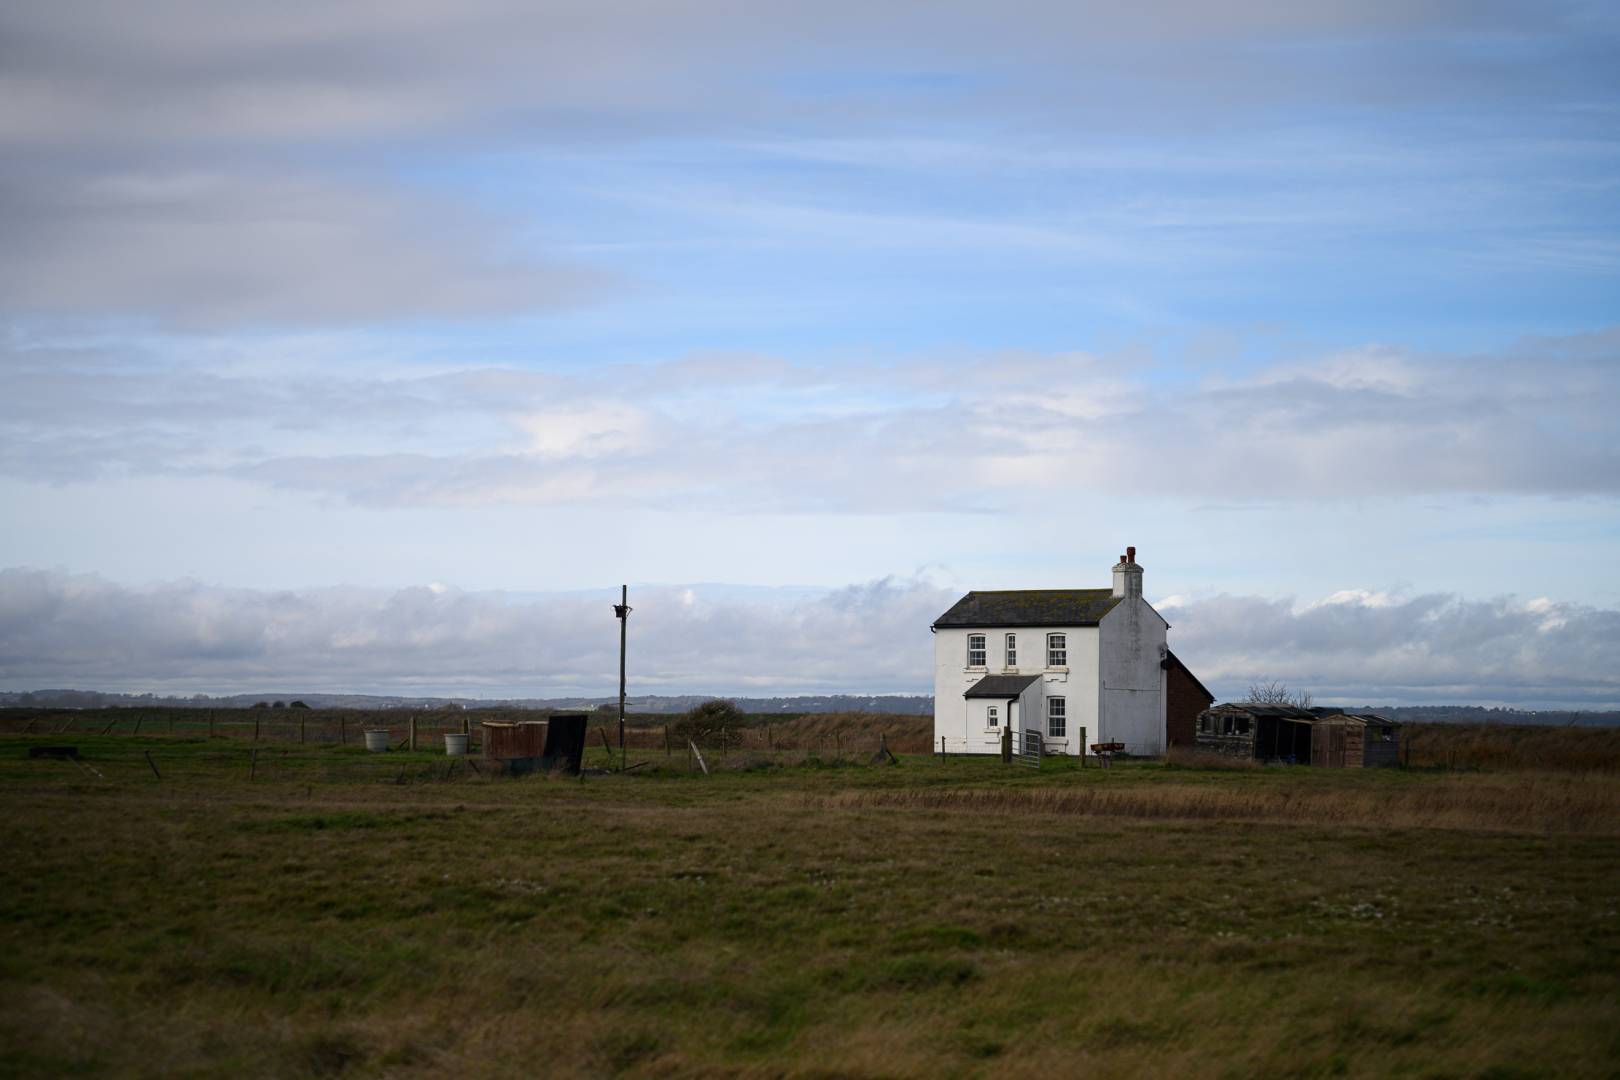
{"points": [[371, 347]]}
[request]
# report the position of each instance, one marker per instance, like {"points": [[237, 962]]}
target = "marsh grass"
{"points": [[1537, 803], [933, 918], [1513, 746]]}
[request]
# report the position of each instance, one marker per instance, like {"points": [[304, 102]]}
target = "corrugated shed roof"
{"points": [[1283, 712], [1361, 718], [1000, 686], [1030, 607]]}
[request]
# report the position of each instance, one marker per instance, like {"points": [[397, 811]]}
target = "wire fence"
{"points": [[813, 737]]}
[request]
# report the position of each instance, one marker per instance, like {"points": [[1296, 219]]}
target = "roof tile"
{"points": [[1030, 607]]}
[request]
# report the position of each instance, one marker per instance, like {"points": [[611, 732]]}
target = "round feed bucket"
{"points": [[455, 744], [377, 741]]}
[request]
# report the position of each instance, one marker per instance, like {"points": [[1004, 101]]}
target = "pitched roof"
{"points": [[1030, 607], [1174, 660], [1000, 686], [1282, 712], [1357, 718]]}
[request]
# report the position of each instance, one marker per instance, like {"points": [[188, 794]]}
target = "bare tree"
{"points": [[1274, 692]]}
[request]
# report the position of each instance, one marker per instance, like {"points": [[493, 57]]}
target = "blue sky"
{"points": [[816, 316]]}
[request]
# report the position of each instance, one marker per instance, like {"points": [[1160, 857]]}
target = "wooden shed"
{"points": [[1262, 732], [1354, 741], [556, 743], [1323, 737]]}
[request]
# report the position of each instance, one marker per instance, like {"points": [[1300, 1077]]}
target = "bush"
{"points": [[709, 721]]}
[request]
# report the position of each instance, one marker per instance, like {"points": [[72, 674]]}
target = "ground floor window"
{"points": [[1057, 718], [992, 716]]}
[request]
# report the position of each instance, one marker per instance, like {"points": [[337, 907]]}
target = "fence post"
{"points": [[1006, 742], [255, 727], [343, 731], [1082, 746], [942, 749], [666, 741], [410, 734]]}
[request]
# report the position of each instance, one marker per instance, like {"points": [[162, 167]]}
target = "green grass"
{"points": [[354, 914]]}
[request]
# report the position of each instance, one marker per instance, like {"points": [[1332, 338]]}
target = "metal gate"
{"points": [[1030, 749]]}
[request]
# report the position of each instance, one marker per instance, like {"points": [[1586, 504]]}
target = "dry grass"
{"points": [[956, 918], [1546, 803], [1513, 746], [1188, 758]]}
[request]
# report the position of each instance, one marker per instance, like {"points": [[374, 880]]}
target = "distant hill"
{"points": [[906, 704], [1476, 714], [914, 705]]}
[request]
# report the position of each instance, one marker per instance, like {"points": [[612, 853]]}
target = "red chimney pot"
{"points": [[1130, 554]]}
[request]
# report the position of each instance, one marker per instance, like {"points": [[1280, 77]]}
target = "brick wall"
{"points": [[1185, 699]]}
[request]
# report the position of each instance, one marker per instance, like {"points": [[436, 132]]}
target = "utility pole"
{"points": [[621, 611]]}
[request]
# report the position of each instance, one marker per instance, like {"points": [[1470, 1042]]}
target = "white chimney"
{"points": [[1128, 575]]}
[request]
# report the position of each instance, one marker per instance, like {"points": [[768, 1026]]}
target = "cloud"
{"points": [[211, 165], [1361, 647], [208, 249], [996, 432], [190, 71], [58, 628]]}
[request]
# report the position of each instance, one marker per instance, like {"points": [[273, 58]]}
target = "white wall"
{"points": [[961, 722], [1132, 689]]}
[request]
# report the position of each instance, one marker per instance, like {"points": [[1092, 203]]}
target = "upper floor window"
{"points": [[1012, 650], [976, 650], [992, 716], [1057, 717], [1057, 650]]}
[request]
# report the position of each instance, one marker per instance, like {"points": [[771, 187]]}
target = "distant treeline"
{"points": [[658, 704], [912, 705], [1475, 714]]}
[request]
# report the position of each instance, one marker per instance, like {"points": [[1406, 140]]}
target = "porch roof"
{"points": [[1000, 686]]}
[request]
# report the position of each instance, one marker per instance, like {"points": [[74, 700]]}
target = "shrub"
{"points": [[710, 720]]}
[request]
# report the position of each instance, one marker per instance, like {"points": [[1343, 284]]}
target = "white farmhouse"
{"points": [[1080, 666]]}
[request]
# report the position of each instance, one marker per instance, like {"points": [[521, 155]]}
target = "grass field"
{"points": [[345, 913]]}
